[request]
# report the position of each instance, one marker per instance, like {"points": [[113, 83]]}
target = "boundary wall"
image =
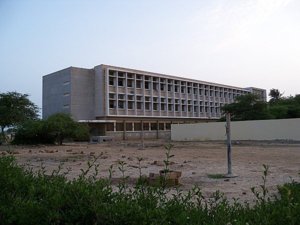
{"points": [[282, 129]]}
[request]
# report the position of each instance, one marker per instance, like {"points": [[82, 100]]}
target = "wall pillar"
{"points": [[124, 130]]}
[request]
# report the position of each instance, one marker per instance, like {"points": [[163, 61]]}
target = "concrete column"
{"points": [[157, 129], [115, 126], [124, 130]]}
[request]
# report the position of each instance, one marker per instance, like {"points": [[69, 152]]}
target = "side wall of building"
{"points": [[82, 94], [285, 129], [57, 92], [100, 92]]}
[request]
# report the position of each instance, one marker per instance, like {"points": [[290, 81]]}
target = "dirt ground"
{"points": [[196, 160]]}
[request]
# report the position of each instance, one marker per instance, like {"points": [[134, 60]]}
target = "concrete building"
{"points": [[123, 102]]}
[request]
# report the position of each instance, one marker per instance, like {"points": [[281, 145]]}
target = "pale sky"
{"points": [[235, 42]]}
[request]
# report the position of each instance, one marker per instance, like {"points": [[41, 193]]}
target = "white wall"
{"points": [[285, 129]]}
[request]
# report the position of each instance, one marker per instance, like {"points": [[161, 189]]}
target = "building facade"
{"points": [[123, 102]]}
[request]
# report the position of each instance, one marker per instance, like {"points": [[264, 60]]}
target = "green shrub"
{"points": [[54, 129], [35, 198], [33, 132]]}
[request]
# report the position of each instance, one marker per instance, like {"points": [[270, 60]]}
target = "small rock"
{"points": [[193, 173], [3, 153], [244, 193], [56, 151], [82, 152], [92, 153], [41, 151], [123, 156], [15, 152], [30, 151], [104, 157], [69, 150], [130, 159], [49, 151]]}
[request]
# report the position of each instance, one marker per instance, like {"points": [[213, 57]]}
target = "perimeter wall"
{"points": [[283, 129]]}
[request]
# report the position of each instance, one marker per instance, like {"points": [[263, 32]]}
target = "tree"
{"points": [[33, 132], [15, 108], [275, 95], [247, 107], [62, 126]]}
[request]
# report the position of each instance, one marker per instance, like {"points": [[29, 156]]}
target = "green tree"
{"points": [[15, 108], [247, 107], [33, 132], [275, 95], [62, 126]]}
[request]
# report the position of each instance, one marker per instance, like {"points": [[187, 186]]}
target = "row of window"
{"points": [[155, 98], [118, 78], [138, 126], [177, 89], [163, 107]]}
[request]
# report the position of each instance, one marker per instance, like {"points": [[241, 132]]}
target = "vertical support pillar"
{"points": [[228, 134], [157, 129], [124, 130], [142, 135]]}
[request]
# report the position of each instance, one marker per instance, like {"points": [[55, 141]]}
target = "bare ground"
{"points": [[196, 160]]}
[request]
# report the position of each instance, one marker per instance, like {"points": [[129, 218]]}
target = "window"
{"points": [[111, 104], [121, 104], [129, 83], [147, 86], [111, 81], [139, 105], [137, 126], [161, 126], [147, 106], [130, 105], [120, 82], [138, 84], [153, 126], [182, 89]]}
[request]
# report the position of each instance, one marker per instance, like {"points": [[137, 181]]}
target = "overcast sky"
{"points": [[236, 42]]}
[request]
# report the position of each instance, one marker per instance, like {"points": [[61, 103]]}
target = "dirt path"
{"points": [[195, 159]]}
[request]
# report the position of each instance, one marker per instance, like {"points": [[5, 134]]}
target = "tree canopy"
{"points": [[55, 128], [16, 108], [250, 107], [247, 107]]}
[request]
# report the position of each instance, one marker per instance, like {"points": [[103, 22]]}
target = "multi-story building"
{"points": [[123, 102]]}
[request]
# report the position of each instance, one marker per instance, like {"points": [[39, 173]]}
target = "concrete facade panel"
{"points": [[284, 129], [57, 93]]}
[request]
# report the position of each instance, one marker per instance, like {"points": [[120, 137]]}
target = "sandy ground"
{"points": [[196, 160]]}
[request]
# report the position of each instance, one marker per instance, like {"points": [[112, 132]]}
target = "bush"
{"points": [[54, 129], [36, 198], [33, 132]]}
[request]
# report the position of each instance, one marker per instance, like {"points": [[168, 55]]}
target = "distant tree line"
{"points": [[20, 115], [250, 107]]}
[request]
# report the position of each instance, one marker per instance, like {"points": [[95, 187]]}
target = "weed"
{"points": [[216, 176], [35, 198]]}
